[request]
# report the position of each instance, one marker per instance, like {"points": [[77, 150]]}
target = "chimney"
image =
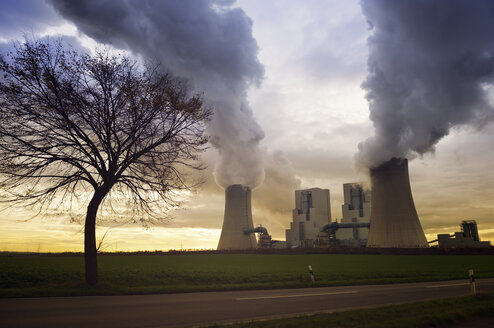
{"points": [[394, 221], [238, 216]]}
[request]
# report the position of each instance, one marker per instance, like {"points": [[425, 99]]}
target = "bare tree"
{"points": [[72, 124]]}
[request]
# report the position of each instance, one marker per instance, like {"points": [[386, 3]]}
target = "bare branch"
{"points": [[69, 121]]}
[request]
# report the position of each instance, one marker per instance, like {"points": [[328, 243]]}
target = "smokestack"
{"points": [[238, 216], [394, 221]]}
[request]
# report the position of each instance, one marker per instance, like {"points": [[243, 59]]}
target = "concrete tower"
{"points": [[394, 221], [238, 216]]}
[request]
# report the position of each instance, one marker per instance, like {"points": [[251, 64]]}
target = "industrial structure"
{"points": [[394, 221], [356, 209], [264, 240], [382, 217], [467, 237], [312, 211], [238, 217], [327, 236]]}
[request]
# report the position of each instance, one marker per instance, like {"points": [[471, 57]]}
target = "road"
{"points": [[192, 309]]}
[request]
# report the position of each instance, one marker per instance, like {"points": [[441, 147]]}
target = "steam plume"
{"points": [[207, 42], [431, 66]]}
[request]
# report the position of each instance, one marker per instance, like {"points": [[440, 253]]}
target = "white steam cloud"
{"points": [[207, 42], [430, 66]]}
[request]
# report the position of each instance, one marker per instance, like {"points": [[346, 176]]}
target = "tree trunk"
{"points": [[90, 251]]}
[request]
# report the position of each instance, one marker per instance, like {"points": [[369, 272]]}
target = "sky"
{"points": [[297, 74]]}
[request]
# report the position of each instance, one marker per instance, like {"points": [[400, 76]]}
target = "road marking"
{"points": [[438, 286], [293, 295]]}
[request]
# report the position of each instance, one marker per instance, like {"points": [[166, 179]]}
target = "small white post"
{"points": [[472, 282], [311, 274]]}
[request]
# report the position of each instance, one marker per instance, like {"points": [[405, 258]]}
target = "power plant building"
{"points": [[312, 211], [468, 237], [394, 221], [357, 208], [237, 219]]}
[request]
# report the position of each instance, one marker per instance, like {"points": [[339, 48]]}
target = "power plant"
{"points": [[467, 237], [383, 217], [394, 221], [238, 217]]}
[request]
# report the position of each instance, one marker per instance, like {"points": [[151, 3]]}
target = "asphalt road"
{"points": [[192, 309]]}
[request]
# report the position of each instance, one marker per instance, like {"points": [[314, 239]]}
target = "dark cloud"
{"points": [[208, 42], [428, 63], [18, 17]]}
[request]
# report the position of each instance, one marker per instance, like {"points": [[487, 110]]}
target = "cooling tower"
{"points": [[238, 216], [394, 221]]}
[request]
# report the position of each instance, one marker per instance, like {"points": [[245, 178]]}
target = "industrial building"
{"points": [[394, 222], [237, 219], [356, 208], [312, 211], [382, 217], [467, 237]]}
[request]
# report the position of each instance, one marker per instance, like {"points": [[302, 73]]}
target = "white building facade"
{"points": [[312, 211], [357, 208]]}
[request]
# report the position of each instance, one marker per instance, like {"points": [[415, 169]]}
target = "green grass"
{"points": [[163, 273], [423, 314]]}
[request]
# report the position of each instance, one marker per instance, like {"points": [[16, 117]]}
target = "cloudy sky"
{"points": [[295, 102]]}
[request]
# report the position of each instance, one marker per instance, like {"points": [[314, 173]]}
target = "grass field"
{"points": [[163, 273], [441, 313]]}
